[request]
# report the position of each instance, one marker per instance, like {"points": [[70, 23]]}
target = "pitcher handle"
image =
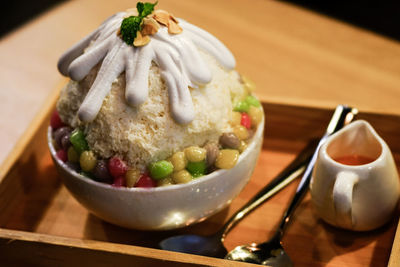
{"points": [[343, 198]]}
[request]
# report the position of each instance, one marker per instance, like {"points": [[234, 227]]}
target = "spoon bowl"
{"points": [[196, 244], [269, 253]]}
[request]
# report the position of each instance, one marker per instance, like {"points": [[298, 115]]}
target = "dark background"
{"points": [[14, 13], [382, 17]]}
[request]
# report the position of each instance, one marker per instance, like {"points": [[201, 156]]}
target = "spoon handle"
{"points": [[291, 172], [338, 120]]}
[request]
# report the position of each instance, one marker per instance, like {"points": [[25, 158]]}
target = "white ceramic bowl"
{"points": [[162, 208]]}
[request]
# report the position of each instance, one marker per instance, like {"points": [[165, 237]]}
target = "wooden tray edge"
{"points": [[23, 247], [30, 132], [394, 259]]}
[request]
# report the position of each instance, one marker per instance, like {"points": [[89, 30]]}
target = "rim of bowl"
{"points": [[258, 134]]}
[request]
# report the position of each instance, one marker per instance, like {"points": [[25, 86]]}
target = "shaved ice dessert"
{"points": [[152, 100]]}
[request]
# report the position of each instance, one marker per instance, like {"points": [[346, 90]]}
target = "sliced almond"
{"points": [[174, 28], [161, 16], [150, 26], [173, 18], [141, 40]]}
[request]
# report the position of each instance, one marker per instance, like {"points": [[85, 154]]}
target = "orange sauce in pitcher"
{"points": [[354, 160]]}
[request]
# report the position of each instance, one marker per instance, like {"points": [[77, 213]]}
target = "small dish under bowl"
{"points": [[167, 207]]}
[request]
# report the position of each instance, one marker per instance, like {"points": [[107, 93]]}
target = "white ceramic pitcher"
{"points": [[356, 197]]}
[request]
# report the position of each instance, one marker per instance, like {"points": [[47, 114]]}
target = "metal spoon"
{"points": [[213, 245], [271, 252]]}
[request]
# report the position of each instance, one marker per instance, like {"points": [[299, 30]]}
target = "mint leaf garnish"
{"points": [[147, 9], [131, 25], [129, 28], [140, 8]]}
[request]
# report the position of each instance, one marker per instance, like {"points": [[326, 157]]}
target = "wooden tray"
{"points": [[41, 224]]}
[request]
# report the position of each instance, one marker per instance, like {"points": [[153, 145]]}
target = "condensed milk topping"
{"points": [[177, 56]]}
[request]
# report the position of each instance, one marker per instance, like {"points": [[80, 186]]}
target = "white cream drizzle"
{"points": [[176, 55]]}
